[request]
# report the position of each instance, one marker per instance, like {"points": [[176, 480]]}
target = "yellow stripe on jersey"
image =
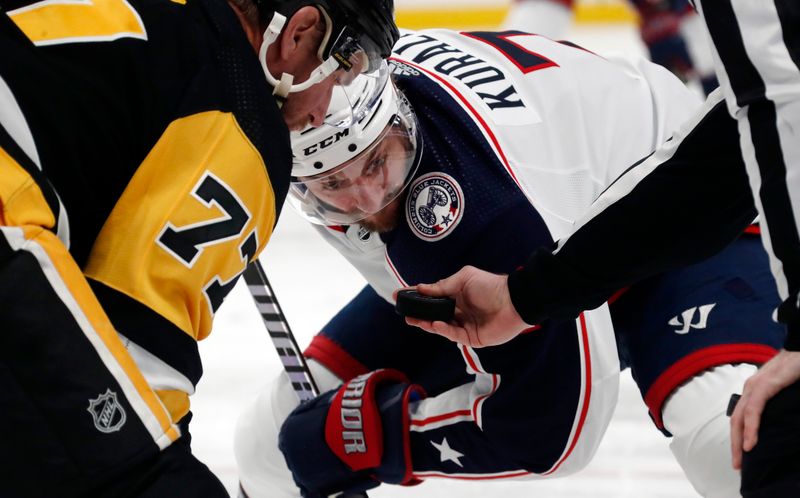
{"points": [[70, 285], [23, 206], [176, 402], [132, 253], [491, 16], [53, 22], [21, 199]]}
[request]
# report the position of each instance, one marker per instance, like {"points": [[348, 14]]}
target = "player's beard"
{"points": [[386, 219]]}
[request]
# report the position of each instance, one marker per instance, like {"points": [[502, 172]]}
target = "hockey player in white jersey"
{"points": [[757, 60], [512, 137]]}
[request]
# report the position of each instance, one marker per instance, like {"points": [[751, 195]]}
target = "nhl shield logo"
{"points": [[363, 234], [108, 414], [434, 206]]}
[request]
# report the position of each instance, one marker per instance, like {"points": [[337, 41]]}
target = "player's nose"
{"points": [[369, 198], [316, 117]]}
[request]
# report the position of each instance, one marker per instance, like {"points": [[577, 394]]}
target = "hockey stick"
{"points": [[282, 338], [278, 327]]}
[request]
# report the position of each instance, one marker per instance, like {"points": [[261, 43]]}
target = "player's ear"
{"points": [[303, 33]]}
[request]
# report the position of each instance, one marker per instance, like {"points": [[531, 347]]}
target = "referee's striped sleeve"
{"points": [[681, 205]]}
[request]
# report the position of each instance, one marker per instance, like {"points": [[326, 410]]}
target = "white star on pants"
{"points": [[447, 453]]}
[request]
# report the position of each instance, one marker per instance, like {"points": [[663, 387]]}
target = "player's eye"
{"points": [[332, 183], [374, 167]]}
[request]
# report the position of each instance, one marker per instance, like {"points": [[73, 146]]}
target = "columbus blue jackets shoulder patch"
{"points": [[434, 206]]}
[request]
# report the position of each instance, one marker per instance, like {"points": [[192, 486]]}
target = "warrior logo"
{"points": [[434, 206], [684, 322], [351, 417], [108, 414]]}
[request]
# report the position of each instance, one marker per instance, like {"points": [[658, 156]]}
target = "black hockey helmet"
{"points": [[356, 25]]}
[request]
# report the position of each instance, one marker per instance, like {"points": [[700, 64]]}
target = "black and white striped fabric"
{"points": [[691, 197], [758, 61]]}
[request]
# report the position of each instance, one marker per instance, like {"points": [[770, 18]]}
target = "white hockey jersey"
{"points": [[520, 135]]}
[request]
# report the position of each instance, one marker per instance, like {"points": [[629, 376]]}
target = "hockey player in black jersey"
{"points": [[144, 159]]}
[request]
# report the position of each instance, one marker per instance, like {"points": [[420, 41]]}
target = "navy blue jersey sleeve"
{"points": [[367, 335], [486, 409]]}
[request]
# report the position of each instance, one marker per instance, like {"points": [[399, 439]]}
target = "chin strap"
{"points": [[285, 86], [270, 35]]}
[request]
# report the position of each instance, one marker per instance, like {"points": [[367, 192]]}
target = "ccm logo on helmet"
{"points": [[326, 142], [350, 414]]}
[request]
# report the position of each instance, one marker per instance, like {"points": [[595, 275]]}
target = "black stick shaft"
{"points": [[278, 327], [285, 344]]}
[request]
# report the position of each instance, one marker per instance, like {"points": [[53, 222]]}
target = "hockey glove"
{"points": [[352, 438]]}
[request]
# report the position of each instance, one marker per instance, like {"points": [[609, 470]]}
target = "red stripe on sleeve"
{"points": [[334, 357]]}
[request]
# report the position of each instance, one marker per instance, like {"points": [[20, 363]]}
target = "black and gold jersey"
{"points": [[154, 123]]}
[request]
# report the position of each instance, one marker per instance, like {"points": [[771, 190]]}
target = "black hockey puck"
{"points": [[732, 404], [415, 305]]}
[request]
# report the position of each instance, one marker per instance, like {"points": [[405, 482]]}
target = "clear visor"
{"points": [[362, 94], [364, 185], [354, 51]]}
